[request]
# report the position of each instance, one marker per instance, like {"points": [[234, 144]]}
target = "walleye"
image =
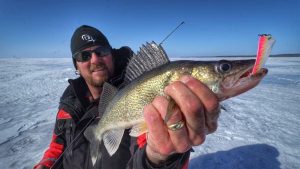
{"points": [[147, 74]]}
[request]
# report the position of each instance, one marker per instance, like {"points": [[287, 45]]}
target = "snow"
{"points": [[258, 129]]}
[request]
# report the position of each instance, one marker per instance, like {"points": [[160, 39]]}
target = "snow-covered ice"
{"points": [[30, 92], [258, 130]]}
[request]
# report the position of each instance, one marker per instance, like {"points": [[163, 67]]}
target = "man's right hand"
{"points": [[195, 117]]}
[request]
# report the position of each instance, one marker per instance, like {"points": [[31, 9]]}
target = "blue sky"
{"points": [[44, 28]]}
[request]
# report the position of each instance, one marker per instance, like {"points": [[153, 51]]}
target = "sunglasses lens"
{"points": [[82, 56], [102, 52], [87, 55]]}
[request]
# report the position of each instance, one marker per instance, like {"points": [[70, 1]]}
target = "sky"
{"points": [[43, 28]]}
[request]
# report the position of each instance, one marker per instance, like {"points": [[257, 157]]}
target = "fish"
{"points": [[147, 74]]}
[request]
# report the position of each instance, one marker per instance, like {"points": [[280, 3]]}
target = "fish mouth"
{"points": [[247, 79], [244, 81]]}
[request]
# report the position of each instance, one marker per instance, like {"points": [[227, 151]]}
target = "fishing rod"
{"points": [[171, 33], [58, 163]]}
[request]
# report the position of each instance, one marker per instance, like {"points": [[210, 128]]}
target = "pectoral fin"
{"points": [[108, 92], [138, 129], [112, 140]]}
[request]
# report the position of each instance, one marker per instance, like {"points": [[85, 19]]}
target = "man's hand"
{"points": [[197, 106]]}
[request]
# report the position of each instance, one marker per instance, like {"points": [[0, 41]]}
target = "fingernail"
{"points": [[185, 79]]}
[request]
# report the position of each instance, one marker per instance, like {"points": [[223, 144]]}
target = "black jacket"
{"points": [[83, 113], [77, 154]]}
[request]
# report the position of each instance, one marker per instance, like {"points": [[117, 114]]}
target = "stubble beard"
{"points": [[100, 80]]}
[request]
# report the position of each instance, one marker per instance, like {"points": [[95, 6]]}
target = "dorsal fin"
{"points": [[149, 57]]}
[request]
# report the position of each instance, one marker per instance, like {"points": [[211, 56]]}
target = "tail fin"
{"points": [[94, 143]]}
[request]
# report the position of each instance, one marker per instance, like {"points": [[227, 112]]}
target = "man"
{"points": [[165, 146]]}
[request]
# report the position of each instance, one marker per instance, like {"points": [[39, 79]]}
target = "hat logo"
{"points": [[87, 37]]}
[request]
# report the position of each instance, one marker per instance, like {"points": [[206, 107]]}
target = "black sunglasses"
{"points": [[86, 55]]}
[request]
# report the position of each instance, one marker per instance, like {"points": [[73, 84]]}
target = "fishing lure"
{"points": [[265, 44]]}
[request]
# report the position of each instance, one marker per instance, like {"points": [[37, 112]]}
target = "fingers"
{"points": [[156, 130], [192, 110], [160, 137], [206, 100], [197, 106], [210, 102], [159, 145], [207, 97], [161, 103]]}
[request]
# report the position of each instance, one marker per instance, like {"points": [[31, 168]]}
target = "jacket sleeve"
{"points": [[139, 159], [57, 143]]}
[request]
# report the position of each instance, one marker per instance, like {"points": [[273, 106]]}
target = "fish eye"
{"points": [[224, 67]]}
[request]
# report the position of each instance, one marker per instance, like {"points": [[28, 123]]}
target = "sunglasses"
{"points": [[86, 55]]}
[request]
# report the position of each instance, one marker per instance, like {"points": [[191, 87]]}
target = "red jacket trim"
{"points": [[63, 114], [141, 140], [186, 164], [52, 154]]}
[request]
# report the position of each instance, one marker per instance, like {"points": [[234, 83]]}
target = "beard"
{"points": [[98, 82], [99, 74]]}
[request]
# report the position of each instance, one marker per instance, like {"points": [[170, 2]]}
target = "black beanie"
{"points": [[86, 36]]}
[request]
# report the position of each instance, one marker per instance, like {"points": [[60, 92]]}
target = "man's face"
{"points": [[97, 70]]}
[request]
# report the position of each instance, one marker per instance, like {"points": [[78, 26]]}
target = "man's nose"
{"points": [[95, 58]]}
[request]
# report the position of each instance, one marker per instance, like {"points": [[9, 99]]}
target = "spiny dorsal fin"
{"points": [[108, 92], [149, 57]]}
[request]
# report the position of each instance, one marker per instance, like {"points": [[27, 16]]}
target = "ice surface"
{"points": [[30, 92], [258, 130]]}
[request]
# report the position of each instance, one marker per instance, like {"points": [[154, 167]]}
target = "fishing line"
{"points": [[171, 33], [57, 162]]}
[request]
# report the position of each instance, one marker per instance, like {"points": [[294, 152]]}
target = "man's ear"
{"points": [[77, 72], [75, 63]]}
